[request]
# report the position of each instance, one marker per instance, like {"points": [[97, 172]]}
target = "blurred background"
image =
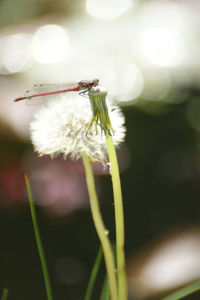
{"points": [[146, 53]]}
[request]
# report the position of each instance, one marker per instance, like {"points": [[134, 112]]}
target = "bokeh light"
{"points": [[108, 9], [70, 270], [160, 13], [161, 46], [171, 262], [178, 262], [15, 52], [157, 84], [50, 44], [61, 196], [122, 78]]}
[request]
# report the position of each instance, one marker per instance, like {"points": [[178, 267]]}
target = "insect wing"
{"points": [[42, 93]]}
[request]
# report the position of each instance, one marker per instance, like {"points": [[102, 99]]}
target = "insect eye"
{"points": [[96, 82]]}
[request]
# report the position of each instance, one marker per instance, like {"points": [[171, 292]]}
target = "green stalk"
{"points": [[100, 228], [182, 292], [39, 241], [119, 219]]}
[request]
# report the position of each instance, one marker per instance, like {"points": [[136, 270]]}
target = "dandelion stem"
{"points": [[39, 241], [119, 219], [100, 228]]}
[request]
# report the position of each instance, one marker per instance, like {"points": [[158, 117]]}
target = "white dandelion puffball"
{"points": [[61, 128]]}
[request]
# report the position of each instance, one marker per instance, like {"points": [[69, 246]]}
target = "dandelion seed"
{"points": [[65, 127]]}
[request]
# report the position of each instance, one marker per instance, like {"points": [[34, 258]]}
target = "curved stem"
{"points": [[100, 228], [119, 219]]}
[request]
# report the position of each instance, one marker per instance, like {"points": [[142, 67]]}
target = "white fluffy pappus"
{"points": [[61, 128]]}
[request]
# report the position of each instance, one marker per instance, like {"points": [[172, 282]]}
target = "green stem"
{"points": [[39, 242], [119, 219], [182, 292], [100, 228]]}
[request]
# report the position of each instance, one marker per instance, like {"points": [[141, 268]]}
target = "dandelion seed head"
{"points": [[61, 128]]}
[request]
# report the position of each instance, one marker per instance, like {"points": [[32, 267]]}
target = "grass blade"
{"points": [[105, 290], [39, 241], [4, 295], [93, 274], [184, 291]]}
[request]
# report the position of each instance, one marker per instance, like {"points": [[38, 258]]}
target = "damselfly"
{"points": [[42, 90], [96, 95]]}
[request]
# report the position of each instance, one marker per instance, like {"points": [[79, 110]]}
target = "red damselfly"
{"points": [[42, 90]]}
